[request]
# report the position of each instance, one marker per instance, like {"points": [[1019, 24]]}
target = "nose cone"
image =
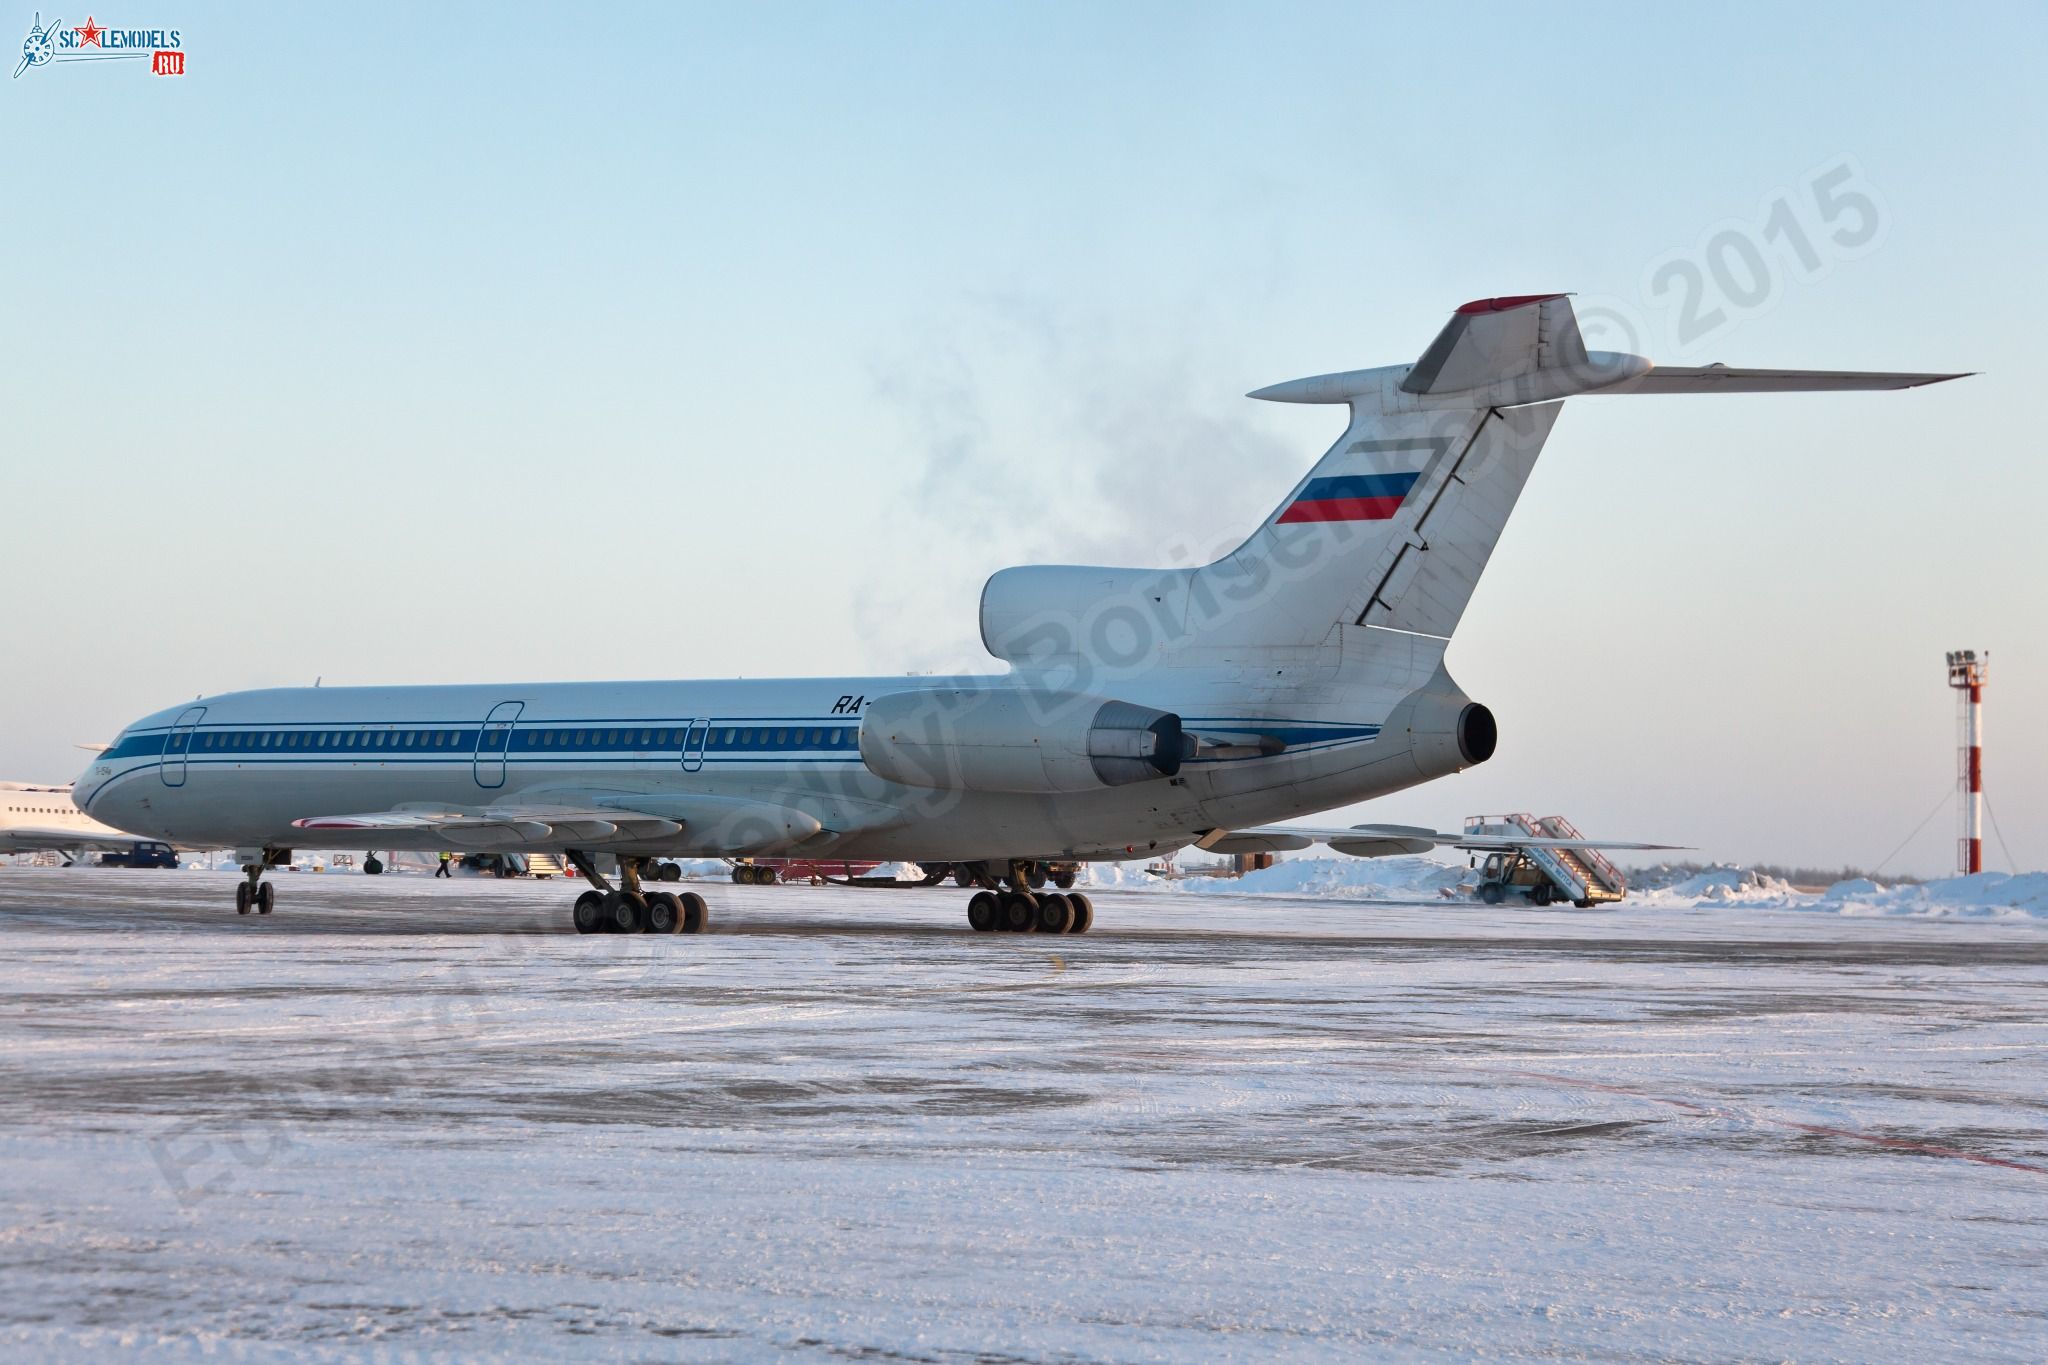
{"points": [[108, 790]]}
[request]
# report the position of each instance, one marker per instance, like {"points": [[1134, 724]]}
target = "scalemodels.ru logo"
{"points": [[95, 42]]}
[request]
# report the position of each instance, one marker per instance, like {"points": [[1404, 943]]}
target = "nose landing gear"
{"points": [[255, 893]]}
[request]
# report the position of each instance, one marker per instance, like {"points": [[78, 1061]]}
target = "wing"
{"points": [[596, 821], [1383, 841], [22, 839]]}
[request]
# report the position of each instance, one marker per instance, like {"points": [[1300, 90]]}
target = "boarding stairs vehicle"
{"points": [[1545, 873]]}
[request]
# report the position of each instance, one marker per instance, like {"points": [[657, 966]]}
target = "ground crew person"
{"points": [[442, 870]]}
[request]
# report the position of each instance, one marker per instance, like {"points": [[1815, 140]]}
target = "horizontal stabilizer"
{"points": [[1724, 379]]}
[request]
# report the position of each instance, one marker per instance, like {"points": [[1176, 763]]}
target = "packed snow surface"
{"points": [[408, 1119]]}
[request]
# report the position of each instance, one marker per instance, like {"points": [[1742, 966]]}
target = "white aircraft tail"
{"points": [[1394, 525]]}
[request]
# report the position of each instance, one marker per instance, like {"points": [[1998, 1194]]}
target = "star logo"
{"points": [[89, 36]]}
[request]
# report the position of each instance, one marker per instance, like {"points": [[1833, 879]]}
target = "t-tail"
{"points": [[1375, 554]]}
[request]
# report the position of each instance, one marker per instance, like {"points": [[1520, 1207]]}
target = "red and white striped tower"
{"points": [[1966, 674]]}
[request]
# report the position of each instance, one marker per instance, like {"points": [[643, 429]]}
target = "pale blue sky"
{"points": [[501, 342]]}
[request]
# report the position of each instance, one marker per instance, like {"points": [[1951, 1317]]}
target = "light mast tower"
{"points": [[1966, 673]]}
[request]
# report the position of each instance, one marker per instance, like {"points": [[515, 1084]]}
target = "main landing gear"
{"points": [[627, 909], [255, 893], [1020, 910]]}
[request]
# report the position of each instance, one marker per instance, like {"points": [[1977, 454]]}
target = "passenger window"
{"points": [[579, 736], [781, 738], [728, 736]]}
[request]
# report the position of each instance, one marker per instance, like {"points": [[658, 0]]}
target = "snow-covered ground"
{"points": [[402, 1117]]}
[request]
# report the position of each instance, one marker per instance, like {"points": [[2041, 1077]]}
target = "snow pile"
{"points": [[1728, 884], [902, 872], [1116, 877], [1983, 895], [1340, 878]]}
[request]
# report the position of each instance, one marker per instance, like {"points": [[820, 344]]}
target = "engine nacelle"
{"points": [[1017, 740]]}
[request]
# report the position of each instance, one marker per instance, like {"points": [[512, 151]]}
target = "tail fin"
{"points": [[1393, 526]]}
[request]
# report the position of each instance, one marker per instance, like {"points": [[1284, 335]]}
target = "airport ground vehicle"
{"points": [[1540, 870], [143, 853]]}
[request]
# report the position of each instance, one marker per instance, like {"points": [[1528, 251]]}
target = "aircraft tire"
{"points": [[1035, 877], [1020, 912], [1064, 880], [983, 909], [1084, 913], [1055, 914], [696, 913], [962, 877], [372, 867], [624, 913], [588, 915], [664, 912], [266, 897], [671, 872], [242, 898]]}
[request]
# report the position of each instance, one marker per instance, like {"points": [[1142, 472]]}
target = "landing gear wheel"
{"points": [[983, 910], [266, 896], [242, 898], [1064, 879], [1084, 913], [963, 878], [624, 912], [1035, 878], [372, 867], [1055, 914], [696, 913], [766, 876], [664, 912], [589, 913], [670, 872], [1020, 912]]}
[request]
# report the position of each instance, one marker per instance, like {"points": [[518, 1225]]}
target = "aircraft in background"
{"points": [[1144, 710], [44, 820]]}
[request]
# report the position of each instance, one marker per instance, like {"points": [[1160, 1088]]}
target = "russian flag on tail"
{"points": [[1350, 497]]}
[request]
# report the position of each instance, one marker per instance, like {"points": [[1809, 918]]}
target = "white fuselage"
{"points": [[238, 769], [33, 819]]}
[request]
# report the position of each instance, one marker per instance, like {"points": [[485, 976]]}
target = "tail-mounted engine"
{"points": [[1018, 740]]}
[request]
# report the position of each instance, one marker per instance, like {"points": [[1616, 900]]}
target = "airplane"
{"points": [[43, 819], [1143, 710]]}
